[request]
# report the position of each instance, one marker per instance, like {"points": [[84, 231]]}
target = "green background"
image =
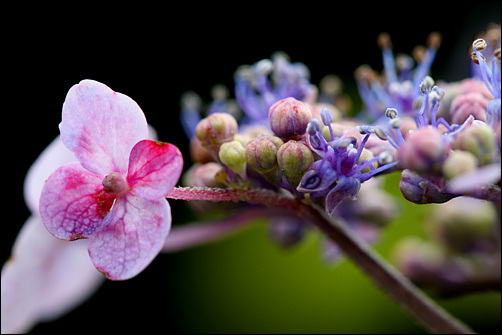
{"points": [[246, 284]]}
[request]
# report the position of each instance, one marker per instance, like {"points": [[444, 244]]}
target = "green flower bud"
{"points": [[457, 163], [418, 259], [463, 223], [294, 159], [232, 155], [366, 155], [478, 140], [261, 153]]}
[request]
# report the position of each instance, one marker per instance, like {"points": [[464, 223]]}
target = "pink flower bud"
{"points": [[289, 118], [422, 151], [216, 129], [462, 106]]}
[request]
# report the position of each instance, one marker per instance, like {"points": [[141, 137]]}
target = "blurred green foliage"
{"points": [[246, 284]]}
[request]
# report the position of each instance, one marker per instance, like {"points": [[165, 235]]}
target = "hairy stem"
{"points": [[425, 311]]}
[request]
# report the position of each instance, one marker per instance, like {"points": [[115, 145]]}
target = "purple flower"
{"points": [[340, 172], [114, 195], [400, 88], [259, 86], [491, 78]]}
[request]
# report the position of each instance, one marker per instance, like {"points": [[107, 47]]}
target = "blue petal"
{"points": [[318, 184], [346, 187]]}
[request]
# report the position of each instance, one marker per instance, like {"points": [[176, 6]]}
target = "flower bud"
{"points": [[115, 183], [421, 190], [422, 150], [294, 159], [366, 155], [198, 153], [462, 106], [232, 155], [463, 224], [203, 175], [261, 153], [418, 259], [216, 129], [287, 231], [478, 140], [288, 118], [457, 163]]}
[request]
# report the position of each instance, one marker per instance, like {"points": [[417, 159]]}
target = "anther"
{"points": [[426, 84], [479, 44], [385, 158], [383, 41], [391, 113], [265, 66], [434, 40], [380, 133], [314, 126], [326, 116]]}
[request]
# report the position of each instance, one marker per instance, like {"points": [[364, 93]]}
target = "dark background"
{"points": [[157, 55]]}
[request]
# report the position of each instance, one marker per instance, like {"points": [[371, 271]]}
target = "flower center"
{"points": [[115, 183]]}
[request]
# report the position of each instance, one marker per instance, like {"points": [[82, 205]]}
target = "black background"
{"points": [[156, 55]]}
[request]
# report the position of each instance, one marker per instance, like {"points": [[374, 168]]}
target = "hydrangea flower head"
{"points": [[114, 195]]}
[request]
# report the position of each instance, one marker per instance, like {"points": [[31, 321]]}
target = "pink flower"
{"points": [[114, 195], [44, 277]]}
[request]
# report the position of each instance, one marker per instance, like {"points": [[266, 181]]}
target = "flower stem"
{"points": [[425, 311]]}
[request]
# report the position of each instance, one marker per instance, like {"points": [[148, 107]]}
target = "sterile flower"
{"points": [[44, 277], [114, 195]]}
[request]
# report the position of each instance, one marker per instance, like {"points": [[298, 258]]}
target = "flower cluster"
{"points": [[286, 143], [445, 138]]}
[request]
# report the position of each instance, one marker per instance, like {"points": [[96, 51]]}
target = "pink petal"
{"points": [[55, 155], [154, 168], [101, 126], [73, 202], [475, 180], [131, 236]]}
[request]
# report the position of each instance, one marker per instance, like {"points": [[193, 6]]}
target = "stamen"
{"points": [[368, 175], [361, 147], [327, 118], [389, 63]]}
